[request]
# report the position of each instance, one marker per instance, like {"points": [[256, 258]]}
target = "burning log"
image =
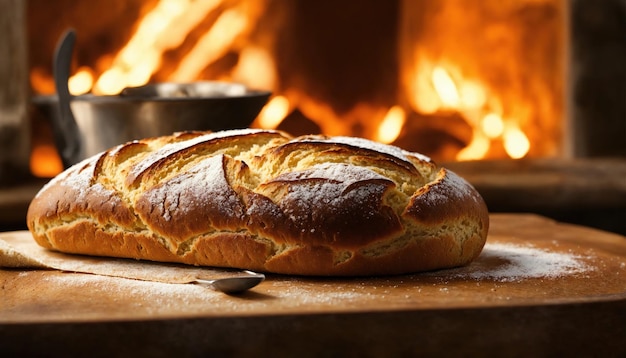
{"points": [[440, 135], [296, 123]]}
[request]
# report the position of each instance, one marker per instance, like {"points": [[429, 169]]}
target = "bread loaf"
{"points": [[264, 201]]}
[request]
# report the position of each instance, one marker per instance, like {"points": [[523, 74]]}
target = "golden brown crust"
{"points": [[265, 201]]}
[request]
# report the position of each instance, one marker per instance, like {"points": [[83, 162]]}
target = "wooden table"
{"points": [[540, 288]]}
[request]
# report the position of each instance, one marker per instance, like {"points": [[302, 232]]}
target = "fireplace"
{"points": [[492, 89]]}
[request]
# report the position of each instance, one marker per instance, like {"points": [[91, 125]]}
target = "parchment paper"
{"points": [[21, 251]]}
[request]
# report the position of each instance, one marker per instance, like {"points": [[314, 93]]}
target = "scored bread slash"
{"points": [[262, 200]]}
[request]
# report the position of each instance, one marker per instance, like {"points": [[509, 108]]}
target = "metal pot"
{"points": [[106, 121]]}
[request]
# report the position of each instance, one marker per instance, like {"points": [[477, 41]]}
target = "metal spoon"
{"points": [[235, 284]]}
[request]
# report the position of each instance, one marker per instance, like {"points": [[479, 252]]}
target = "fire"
{"points": [[41, 82], [446, 88], [163, 28], [81, 82], [516, 143], [472, 95], [441, 80], [274, 112], [45, 161], [422, 96], [470, 98], [212, 45], [391, 126], [492, 125], [256, 68], [477, 149], [166, 27]]}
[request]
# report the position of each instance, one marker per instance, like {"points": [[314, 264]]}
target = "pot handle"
{"points": [[65, 129]]}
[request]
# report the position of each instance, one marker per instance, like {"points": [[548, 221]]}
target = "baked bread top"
{"points": [[262, 200]]}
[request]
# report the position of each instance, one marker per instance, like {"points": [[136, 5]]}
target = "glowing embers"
{"points": [[437, 90]]}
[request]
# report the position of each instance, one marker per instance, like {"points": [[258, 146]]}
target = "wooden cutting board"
{"points": [[539, 287]]}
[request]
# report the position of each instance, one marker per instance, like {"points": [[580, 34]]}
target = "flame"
{"points": [[256, 68], [391, 126], [45, 161], [481, 111], [492, 125], [516, 143], [274, 112], [81, 82], [41, 82], [112, 81], [213, 45], [445, 87], [477, 149], [472, 95], [163, 28], [424, 98]]}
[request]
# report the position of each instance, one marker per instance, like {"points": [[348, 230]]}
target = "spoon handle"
{"points": [[66, 131]]}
